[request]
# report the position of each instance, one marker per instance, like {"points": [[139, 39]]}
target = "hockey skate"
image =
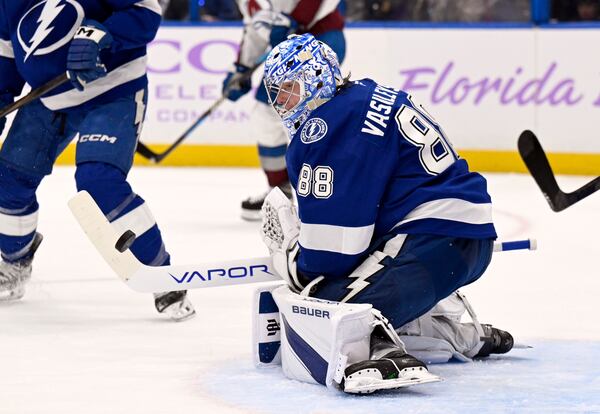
{"points": [[15, 275], [495, 341], [394, 370], [175, 305], [251, 206]]}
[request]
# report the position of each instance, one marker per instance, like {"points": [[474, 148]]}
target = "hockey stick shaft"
{"points": [[44, 89], [157, 157], [34, 94], [537, 163]]}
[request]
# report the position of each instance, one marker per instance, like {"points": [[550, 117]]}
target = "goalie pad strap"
{"points": [[266, 330]]}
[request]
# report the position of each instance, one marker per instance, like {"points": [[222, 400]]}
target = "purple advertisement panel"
{"points": [[483, 86]]}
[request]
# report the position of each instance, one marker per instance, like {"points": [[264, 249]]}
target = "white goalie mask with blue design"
{"points": [[301, 73]]}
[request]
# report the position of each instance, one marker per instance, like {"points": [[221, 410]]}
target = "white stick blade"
{"points": [[102, 235]]}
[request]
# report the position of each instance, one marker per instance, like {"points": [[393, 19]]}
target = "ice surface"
{"points": [[81, 342]]}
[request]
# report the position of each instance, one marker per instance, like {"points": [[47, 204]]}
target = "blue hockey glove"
{"points": [[283, 26], [234, 87], [83, 60], [5, 100]]}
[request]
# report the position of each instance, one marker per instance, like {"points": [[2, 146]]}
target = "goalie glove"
{"points": [[280, 230]]}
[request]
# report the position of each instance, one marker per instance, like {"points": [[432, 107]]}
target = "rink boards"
{"points": [[483, 84]]}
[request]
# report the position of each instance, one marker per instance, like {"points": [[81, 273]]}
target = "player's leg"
{"points": [[407, 275], [330, 343], [27, 155], [442, 334], [18, 236], [405, 278], [107, 139]]}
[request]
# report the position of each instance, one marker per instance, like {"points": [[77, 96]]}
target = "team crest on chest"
{"points": [[49, 25], [314, 129]]}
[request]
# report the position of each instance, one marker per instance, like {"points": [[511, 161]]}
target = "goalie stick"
{"points": [[149, 279], [144, 278], [537, 163]]}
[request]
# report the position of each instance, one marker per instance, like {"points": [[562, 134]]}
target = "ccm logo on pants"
{"points": [[97, 138]]}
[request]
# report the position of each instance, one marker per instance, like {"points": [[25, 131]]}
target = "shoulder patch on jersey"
{"points": [[314, 129]]}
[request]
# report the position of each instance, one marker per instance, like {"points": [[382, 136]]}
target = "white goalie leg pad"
{"points": [[320, 338], [266, 327], [439, 335]]}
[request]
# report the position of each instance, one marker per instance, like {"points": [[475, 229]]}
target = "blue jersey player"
{"points": [[388, 213], [101, 45]]}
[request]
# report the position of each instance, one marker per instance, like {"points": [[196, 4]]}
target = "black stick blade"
{"points": [[146, 152], [537, 163]]}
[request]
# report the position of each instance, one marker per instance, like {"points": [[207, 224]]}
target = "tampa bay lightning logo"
{"points": [[314, 129], [49, 25]]}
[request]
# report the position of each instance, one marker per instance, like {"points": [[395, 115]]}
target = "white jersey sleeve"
{"points": [[259, 16]]}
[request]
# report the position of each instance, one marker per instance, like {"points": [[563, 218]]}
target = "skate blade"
{"points": [[521, 346], [249, 215], [12, 295], [406, 378], [177, 313], [183, 317]]}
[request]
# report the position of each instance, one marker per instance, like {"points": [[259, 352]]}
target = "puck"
{"points": [[125, 241]]}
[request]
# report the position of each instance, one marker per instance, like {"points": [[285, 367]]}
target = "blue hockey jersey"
{"points": [[35, 37], [371, 162]]}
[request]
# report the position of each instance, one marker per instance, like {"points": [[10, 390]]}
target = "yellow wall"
{"points": [[246, 156]]}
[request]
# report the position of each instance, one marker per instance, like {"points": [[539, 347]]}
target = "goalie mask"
{"points": [[301, 74]]}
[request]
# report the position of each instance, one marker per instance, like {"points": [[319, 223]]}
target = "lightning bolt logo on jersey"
{"points": [[35, 37], [314, 129], [43, 18]]}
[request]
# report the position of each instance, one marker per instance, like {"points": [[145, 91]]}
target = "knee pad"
{"points": [[439, 335], [313, 340]]}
